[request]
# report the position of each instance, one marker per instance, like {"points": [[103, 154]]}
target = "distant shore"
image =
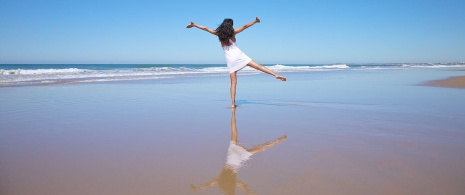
{"points": [[452, 82]]}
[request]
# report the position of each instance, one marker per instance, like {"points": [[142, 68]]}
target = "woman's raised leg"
{"points": [[233, 77], [264, 69]]}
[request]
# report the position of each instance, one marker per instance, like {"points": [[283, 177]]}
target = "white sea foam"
{"points": [[433, 65], [68, 75], [41, 71], [223, 69], [285, 68]]}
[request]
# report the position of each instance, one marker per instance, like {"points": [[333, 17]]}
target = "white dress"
{"points": [[237, 156], [235, 58]]}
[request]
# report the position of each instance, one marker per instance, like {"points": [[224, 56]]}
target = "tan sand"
{"points": [[175, 138], [452, 82]]}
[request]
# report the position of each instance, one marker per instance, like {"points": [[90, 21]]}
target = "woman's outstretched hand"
{"points": [[257, 20], [190, 25]]}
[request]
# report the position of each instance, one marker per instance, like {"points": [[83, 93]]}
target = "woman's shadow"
{"points": [[237, 155]]}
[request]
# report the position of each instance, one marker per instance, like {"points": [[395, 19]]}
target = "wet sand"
{"points": [[339, 133], [452, 82]]}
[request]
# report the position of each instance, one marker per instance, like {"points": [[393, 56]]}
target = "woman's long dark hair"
{"points": [[225, 31]]}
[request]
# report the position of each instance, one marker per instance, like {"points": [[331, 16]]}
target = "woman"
{"points": [[235, 58]]}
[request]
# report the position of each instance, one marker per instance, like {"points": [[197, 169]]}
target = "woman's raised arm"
{"points": [[201, 28], [238, 30]]}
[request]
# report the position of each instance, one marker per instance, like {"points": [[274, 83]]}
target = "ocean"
{"points": [[14, 75]]}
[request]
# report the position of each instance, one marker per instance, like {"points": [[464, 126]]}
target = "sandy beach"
{"points": [[453, 82], [347, 132]]}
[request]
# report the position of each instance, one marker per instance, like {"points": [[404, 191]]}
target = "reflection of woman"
{"points": [[235, 58], [237, 156]]}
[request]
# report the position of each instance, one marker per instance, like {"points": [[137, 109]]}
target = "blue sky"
{"points": [[303, 32]]}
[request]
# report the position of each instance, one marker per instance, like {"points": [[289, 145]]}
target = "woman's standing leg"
{"points": [[233, 88], [257, 66]]}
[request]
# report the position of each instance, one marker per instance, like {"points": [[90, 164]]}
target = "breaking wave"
{"points": [[50, 74]]}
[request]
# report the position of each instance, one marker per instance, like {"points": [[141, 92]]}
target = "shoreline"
{"points": [[451, 82]]}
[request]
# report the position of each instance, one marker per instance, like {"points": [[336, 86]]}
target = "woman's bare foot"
{"points": [[233, 106], [280, 77]]}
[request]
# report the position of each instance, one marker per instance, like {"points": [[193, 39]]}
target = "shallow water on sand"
{"points": [[348, 132]]}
